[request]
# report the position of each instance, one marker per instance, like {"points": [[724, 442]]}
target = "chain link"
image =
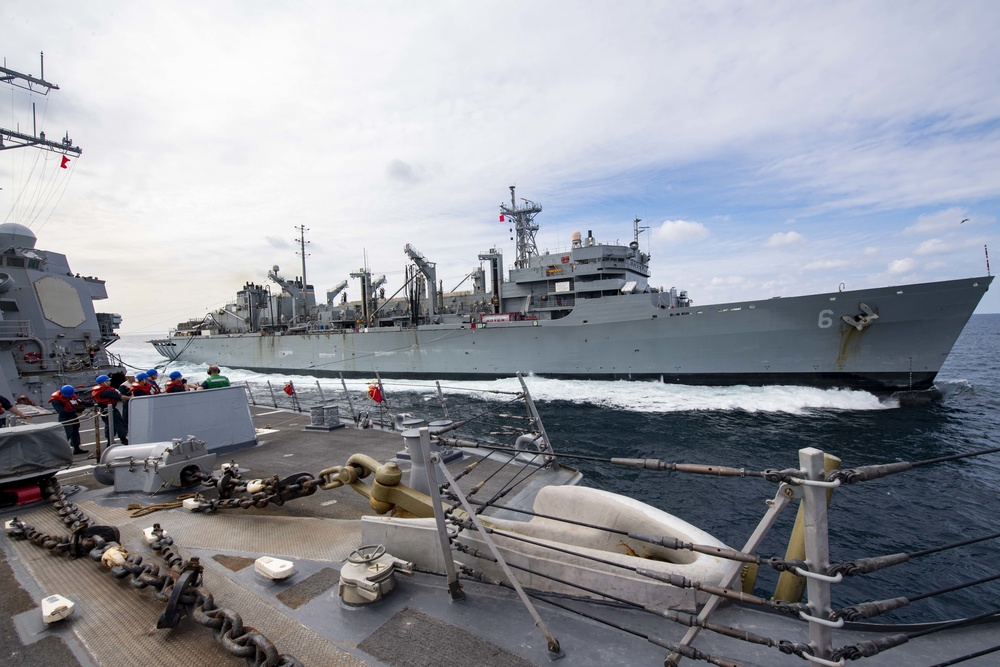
{"points": [[191, 598]]}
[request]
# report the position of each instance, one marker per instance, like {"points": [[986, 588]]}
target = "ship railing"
{"points": [[12, 330], [302, 398], [391, 406], [110, 359], [806, 565]]}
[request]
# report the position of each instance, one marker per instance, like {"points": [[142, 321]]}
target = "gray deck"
{"points": [[417, 625]]}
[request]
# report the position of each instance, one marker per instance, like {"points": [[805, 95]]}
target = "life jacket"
{"points": [[98, 390], [174, 385], [139, 389], [69, 405]]}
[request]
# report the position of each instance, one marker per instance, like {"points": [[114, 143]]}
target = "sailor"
{"points": [[124, 385], [153, 374], [141, 386], [108, 398], [69, 406], [176, 383], [5, 407], [215, 380]]}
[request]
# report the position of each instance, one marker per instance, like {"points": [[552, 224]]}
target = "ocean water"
{"points": [[760, 428]]}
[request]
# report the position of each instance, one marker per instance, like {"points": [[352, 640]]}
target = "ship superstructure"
{"points": [[50, 332]]}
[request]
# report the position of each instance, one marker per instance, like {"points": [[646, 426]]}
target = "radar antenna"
{"points": [[523, 220], [20, 140]]}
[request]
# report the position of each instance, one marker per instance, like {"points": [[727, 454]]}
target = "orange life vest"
{"points": [[68, 404], [98, 390], [139, 389]]}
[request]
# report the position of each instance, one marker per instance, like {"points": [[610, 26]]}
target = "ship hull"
{"points": [[798, 341]]}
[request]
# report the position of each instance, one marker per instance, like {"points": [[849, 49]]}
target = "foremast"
{"points": [[522, 219]]}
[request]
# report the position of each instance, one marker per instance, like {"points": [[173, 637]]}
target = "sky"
{"points": [[772, 148]]}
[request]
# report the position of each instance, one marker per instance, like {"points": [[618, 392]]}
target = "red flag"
{"points": [[65, 161], [375, 393], [501, 217], [289, 389]]}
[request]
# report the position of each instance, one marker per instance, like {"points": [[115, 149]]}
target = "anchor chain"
{"points": [[179, 585], [259, 492]]}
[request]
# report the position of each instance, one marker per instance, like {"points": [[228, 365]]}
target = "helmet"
{"points": [[67, 390], [103, 378], [175, 375], [151, 372], [141, 376]]}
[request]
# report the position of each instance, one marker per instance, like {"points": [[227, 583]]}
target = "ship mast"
{"points": [[302, 251], [19, 140], [523, 220]]}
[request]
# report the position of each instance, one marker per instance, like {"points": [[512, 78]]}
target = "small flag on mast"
{"points": [[501, 217], [65, 161]]}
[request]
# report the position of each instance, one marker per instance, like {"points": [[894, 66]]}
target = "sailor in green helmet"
{"points": [[215, 380]]}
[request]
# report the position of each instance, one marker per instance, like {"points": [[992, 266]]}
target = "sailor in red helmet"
{"points": [[108, 398], [68, 406]]}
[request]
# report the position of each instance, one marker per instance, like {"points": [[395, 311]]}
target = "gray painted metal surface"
{"points": [[799, 340], [418, 624]]}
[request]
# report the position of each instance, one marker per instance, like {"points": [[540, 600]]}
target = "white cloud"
{"points": [[899, 266], [933, 223], [681, 231], [728, 281], [826, 264], [932, 247], [782, 239]]}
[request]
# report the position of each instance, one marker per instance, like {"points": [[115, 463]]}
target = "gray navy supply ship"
{"points": [[586, 313], [50, 332]]}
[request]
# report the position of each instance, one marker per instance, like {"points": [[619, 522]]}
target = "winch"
{"points": [[155, 466]]}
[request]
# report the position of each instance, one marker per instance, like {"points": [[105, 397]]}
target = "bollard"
{"points": [[324, 418]]}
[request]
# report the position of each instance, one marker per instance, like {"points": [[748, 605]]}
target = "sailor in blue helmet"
{"points": [[108, 398], [68, 405], [142, 386], [176, 383], [152, 374]]}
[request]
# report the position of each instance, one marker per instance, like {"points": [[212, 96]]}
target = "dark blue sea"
{"points": [[761, 428]]}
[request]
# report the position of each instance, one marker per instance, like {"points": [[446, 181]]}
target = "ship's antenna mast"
{"points": [[19, 140], [302, 251], [523, 218], [637, 229]]}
